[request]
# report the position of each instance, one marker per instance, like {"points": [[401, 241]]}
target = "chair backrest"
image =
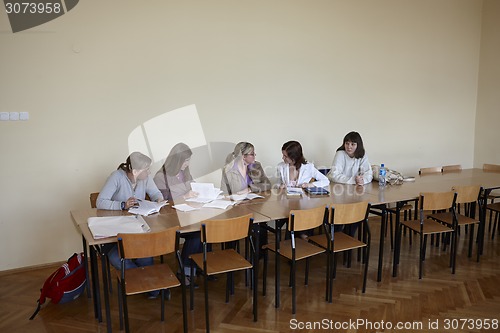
{"points": [[226, 230], [491, 167], [93, 199], [427, 171], [349, 213], [324, 171], [148, 244], [452, 168], [437, 200], [304, 219], [467, 194]]}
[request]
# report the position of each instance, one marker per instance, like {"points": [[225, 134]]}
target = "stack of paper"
{"points": [[206, 192], [294, 191], [110, 226]]}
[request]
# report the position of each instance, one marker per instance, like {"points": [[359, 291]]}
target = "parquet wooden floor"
{"points": [[439, 298]]}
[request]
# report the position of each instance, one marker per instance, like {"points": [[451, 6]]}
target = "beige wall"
{"points": [[402, 73], [488, 106]]}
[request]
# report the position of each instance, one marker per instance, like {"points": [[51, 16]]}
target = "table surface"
{"points": [[277, 205]]}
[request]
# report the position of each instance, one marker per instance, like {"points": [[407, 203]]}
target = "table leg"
{"points": [[256, 232], [106, 291], [95, 283], [397, 240]]}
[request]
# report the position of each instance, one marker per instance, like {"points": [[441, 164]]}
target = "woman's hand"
{"points": [[131, 202], [191, 194], [360, 180], [244, 191]]}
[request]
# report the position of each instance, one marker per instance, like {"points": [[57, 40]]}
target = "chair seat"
{"points": [[447, 218], [149, 278], [223, 261], [303, 249], [430, 226], [342, 242], [495, 207]]}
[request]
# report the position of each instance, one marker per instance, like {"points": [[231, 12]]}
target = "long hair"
{"points": [[135, 161], [354, 137], [294, 151], [241, 148], [178, 154]]}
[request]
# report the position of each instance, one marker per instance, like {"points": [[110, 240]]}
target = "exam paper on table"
{"points": [[246, 196], [184, 208], [221, 204], [110, 226], [206, 192]]}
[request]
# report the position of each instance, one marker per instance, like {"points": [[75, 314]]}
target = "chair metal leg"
{"points": [[205, 282], [294, 292], [162, 298]]}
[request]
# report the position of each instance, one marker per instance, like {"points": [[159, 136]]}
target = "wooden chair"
{"points": [[334, 242], [428, 171], [493, 195], [467, 196], [494, 207], [93, 199], [149, 278], [452, 168], [296, 248], [437, 201], [227, 259]]}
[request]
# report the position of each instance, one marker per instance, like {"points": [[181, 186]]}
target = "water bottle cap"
{"points": [[382, 165]]}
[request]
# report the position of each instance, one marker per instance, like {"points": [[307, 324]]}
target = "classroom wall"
{"points": [[402, 73], [488, 106]]}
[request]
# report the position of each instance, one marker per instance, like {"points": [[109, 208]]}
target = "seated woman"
{"points": [[174, 181], [242, 173], [122, 190], [295, 171], [350, 164]]}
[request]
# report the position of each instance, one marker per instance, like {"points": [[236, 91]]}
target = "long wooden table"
{"points": [[167, 218], [275, 206]]}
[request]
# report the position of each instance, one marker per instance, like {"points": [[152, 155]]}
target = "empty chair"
{"points": [[428, 171], [227, 259], [452, 168], [467, 196], [296, 248], [148, 278], [436, 201], [492, 196], [335, 242], [93, 199]]}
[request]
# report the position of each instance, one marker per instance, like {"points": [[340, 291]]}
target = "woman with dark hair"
{"points": [[174, 178], [295, 171], [242, 173], [350, 164]]}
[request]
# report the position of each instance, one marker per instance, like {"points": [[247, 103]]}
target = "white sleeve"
{"points": [[336, 173]]}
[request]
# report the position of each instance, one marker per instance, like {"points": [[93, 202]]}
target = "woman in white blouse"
{"points": [[295, 171], [350, 164]]}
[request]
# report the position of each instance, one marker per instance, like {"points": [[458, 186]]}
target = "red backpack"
{"points": [[65, 284]]}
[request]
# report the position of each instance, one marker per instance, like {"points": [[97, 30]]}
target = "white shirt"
{"points": [[345, 169], [306, 173]]}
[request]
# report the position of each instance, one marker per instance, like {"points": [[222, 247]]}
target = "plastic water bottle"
{"points": [[381, 175]]}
